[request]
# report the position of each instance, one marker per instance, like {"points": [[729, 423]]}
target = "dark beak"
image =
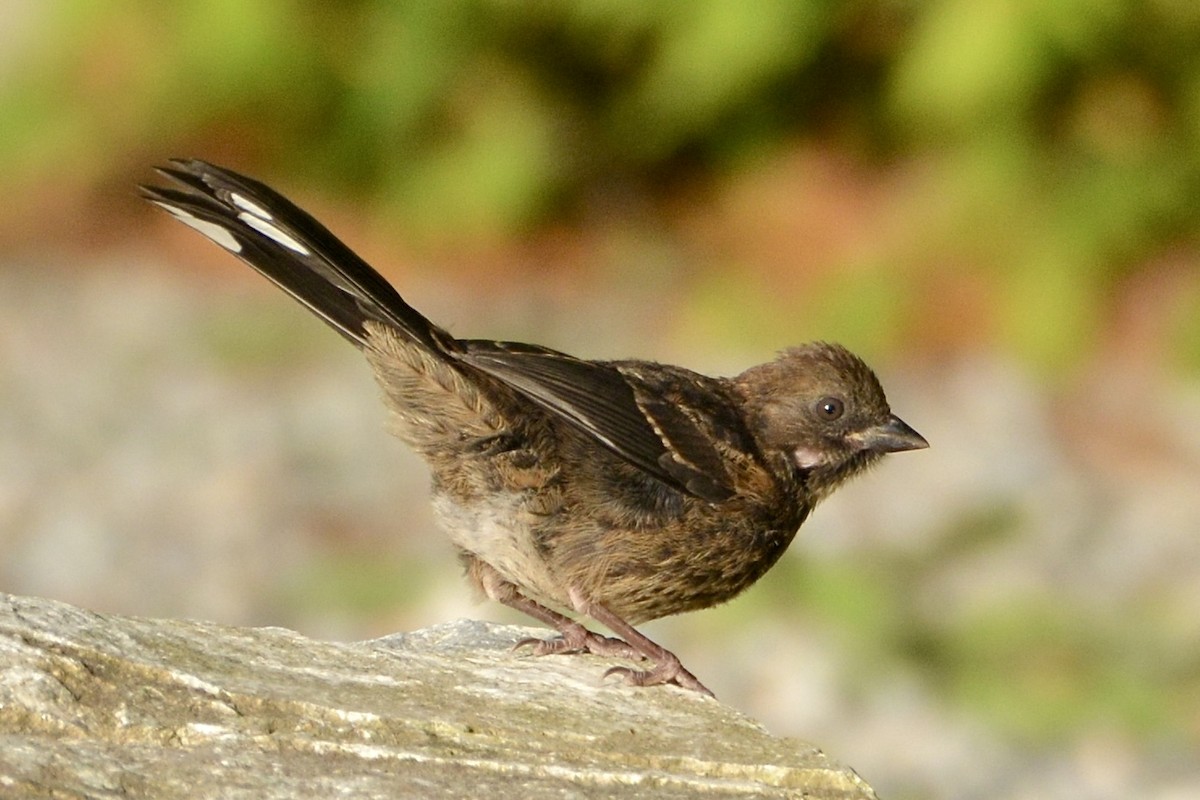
{"points": [[892, 436]]}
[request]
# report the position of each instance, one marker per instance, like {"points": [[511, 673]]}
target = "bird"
{"points": [[575, 491]]}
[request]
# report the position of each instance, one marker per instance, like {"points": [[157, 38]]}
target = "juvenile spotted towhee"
{"points": [[623, 491]]}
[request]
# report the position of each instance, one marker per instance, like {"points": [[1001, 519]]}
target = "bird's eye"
{"points": [[830, 408]]}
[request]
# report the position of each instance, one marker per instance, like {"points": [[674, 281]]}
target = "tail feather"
{"points": [[284, 243], [446, 388]]}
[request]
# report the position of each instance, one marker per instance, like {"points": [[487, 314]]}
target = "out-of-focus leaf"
{"points": [[712, 58], [492, 173], [970, 64]]}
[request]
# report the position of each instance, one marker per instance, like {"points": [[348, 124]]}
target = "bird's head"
{"points": [[819, 410]]}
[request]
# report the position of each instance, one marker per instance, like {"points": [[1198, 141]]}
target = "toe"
{"points": [[612, 648], [661, 674], [548, 647]]}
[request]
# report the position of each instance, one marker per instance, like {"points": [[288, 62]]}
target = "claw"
{"points": [[590, 642], [666, 672]]}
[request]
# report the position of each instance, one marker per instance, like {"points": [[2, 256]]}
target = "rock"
{"points": [[103, 706]]}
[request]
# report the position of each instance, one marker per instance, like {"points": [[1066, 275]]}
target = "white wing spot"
{"points": [[211, 230], [270, 231], [249, 205]]}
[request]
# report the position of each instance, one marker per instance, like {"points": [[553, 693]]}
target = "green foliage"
{"points": [[1185, 324], [257, 337], [1030, 664], [354, 583], [1059, 142], [1039, 670]]}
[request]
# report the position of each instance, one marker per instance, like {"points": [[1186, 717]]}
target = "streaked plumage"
{"points": [[620, 490]]}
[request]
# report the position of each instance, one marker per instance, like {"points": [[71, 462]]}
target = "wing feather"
{"points": [[646, 420], [614, 407]]}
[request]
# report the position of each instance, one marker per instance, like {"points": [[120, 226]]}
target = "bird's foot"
{"points": [[666, 671], [580, 640]]}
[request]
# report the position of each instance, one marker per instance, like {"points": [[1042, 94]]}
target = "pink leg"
{"points": [[667, 667], [573, 636]]}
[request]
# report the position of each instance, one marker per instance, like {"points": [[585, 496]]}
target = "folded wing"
{"points": [[611, 405], [615, 408]]}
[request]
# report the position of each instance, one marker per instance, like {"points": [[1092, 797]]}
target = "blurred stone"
{"points": [[104, 706]]}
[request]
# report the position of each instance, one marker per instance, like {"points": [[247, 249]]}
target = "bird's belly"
{"points": [[694, 562], [496, 531]]}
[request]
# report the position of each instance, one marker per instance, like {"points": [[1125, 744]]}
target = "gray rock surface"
{"points": [[104, 706]]}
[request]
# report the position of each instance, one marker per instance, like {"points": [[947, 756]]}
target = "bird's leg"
{"points": [[667, 667], [573, 637]]}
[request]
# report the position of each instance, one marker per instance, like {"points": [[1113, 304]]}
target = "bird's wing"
{"points": [[613, 406], [622, 412]]}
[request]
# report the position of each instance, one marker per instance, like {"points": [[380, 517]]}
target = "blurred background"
{"points": [[997, 204]]}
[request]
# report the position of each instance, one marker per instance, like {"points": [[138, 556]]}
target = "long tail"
{"points": [[280, 240], [619, 410]]}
